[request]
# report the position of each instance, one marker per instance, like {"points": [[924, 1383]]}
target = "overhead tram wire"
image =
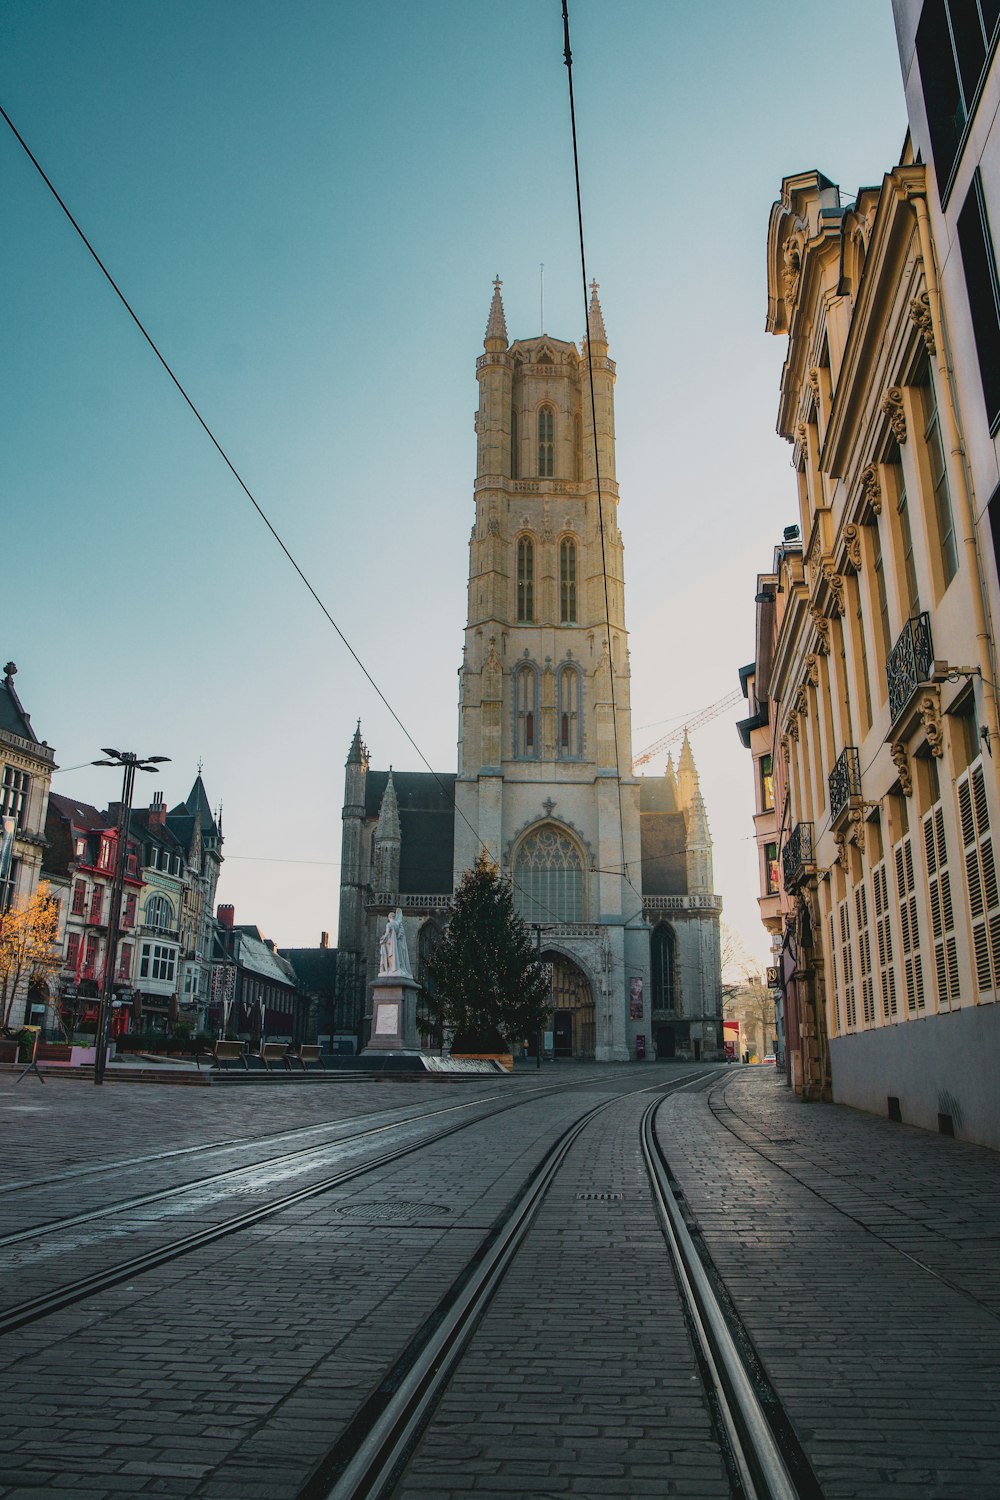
{"points": [[241, 482], [568, 60]]}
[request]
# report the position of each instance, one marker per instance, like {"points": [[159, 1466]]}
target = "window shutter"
{"points": [[980, 874], [883, 939], [913, 973], [864, 953], [847, 966], [942, 913]]}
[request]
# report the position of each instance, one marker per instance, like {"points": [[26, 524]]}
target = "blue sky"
{"points": [[306, 203]]}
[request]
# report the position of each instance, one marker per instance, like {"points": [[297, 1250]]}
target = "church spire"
{"points": [[388, 814], [595, 319], [495, 341], [387, 842], [358, 753], [687, 774]]}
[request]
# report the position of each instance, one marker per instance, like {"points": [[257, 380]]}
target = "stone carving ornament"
{"points": [[852, 544], [812, 669], [871, 489], [822, 631], [892, 407], [813, 379], [835, 584], [901, 761], [920, 312], [929, 708], [791, 269]]}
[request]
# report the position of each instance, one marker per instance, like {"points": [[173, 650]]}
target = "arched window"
{"points": [[567, 581], [549, 877], [663, 953], [525, 580], [546, 442], [526, 712], [159, 913], [570, 710], [513, 444]]}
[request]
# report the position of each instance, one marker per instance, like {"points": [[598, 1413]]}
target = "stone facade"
{"points": [[612, 871]]}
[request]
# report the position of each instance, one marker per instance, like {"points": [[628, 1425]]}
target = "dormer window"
{"points": [[546, 442]]}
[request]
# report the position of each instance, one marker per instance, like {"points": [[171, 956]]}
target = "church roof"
{"points": [[663, 836], [426, 805]]}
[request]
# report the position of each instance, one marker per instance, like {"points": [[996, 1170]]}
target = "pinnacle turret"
{"points": [[358, 753], [388, 841], [496, 326], [388, 814], [687, 774], [595, 319]]}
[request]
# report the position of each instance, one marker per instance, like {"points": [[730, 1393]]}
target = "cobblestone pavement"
{"points": [[862, 1256]]}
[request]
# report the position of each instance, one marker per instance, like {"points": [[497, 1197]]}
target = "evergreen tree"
{"points": [[486, 971]]}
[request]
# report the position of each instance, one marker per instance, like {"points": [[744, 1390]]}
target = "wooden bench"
{"points": [[223, 1053], [272, 1052], [306, 1052]]}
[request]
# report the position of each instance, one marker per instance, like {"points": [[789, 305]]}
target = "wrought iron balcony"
{"points": [[797, 854], [844, 781], [910, 663]]}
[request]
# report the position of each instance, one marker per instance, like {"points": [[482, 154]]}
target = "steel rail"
{"points": [[35, 1308], [755, 1449], [376, 1444]]}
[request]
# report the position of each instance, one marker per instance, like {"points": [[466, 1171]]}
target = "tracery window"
{"points": [[525, 580], [546, 442], [663, 956], [570, 710], [526, 712], [567, 581], [549, 877]]}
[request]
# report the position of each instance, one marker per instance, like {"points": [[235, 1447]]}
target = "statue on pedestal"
{"points": [[393, 955]]}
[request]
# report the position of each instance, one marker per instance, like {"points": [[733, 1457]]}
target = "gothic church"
{"points": [[612, 870]]}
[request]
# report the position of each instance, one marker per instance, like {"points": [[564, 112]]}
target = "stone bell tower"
{"points": [[545, 755]]}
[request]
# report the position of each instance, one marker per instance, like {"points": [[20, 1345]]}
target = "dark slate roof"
{"points": [[196, 805], [140, 826], [664, 866], [12, 716], [315, 968], [656, 794], [427, 827], [81, 814]]}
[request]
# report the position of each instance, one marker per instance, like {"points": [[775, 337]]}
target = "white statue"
{"points": [[393, 956]]}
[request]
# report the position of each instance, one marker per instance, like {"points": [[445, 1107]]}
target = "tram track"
{"points": [[32, 1309]]}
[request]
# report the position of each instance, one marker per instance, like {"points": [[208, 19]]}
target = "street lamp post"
{"points": [[130, 763]]}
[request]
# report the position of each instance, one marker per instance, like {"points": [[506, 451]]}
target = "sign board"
{"points": [[772, 979], [635, 997]]}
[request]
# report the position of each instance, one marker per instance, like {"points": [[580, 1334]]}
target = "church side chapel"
{"points": [[612, 871]]}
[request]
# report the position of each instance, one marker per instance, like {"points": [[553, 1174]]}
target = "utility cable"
{"points": [[237, 476]]}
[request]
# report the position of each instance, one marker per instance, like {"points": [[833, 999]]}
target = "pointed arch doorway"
{"points": [[574, 1029]]}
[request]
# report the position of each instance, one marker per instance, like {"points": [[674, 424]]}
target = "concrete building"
{"points": [[612, 870], [876, 666]]}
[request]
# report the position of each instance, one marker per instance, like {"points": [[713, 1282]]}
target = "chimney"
{"points": [[226, 915], [324, 940], [157, 811]]}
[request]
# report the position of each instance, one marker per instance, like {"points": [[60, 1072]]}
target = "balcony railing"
{"points": [[797, 855], [844, 781], [910, 663]]}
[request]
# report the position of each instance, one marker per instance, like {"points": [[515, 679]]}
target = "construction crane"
{"points": [[703, 717]]}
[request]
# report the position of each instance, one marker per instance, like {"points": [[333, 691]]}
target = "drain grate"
{"points": [[394, 1210], [601, 1197]]}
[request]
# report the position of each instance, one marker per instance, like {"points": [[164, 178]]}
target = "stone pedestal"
{"points": [[394, 1015]]}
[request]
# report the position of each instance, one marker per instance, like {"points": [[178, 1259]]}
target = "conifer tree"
{"points": [[486, 971]]}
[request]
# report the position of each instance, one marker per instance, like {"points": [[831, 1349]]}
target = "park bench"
{"points": [[223, 1053], [272, 1052], [306, 1052]]}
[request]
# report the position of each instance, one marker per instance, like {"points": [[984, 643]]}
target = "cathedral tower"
{"points": [[545, 756]]}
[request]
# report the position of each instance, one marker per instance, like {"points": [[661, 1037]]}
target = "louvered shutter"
{"points": [[942, 911], [883, 939], [864, 954], [980, 875], [913, 973], [847, 966]]}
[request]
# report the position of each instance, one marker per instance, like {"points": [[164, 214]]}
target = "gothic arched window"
{"points": [[549, 877], [525, 580], [546, 442], [570, 710], [663, 953], [567, 581], [526, 712], [513, 444], [159, 913]]}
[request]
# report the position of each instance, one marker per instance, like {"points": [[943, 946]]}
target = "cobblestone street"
{"points": [[860, 1256]]}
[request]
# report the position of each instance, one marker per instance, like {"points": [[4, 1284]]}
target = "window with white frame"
{"points": [[156, 961], [159, 913], [14, 794]]}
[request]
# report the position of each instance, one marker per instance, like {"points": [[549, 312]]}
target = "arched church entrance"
{"points": [[574, 1029]]}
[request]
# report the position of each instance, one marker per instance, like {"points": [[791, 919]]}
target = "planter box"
{"points": [[54, 1052], [8, 1053]]}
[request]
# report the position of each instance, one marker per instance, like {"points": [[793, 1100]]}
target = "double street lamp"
{"points": [[129, 763]]}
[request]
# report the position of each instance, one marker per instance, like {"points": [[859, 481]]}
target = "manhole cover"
{"points": [[395, 1210], [600, 1197]]}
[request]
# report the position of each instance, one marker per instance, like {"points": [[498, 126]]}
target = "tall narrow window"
{"points": [[513, 445], [662, 958], [885, 629], [766, 783], [570, 711], [525, 711], [525, 580], [939, 478], [14, 794], [911, 601], [546, 442], [567, 581]]}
